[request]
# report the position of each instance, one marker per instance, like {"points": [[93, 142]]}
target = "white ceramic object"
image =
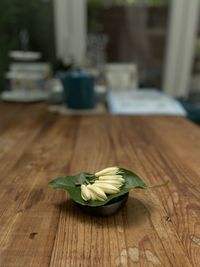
{"points": [[121, 76], [28, 75], [24, 96], [25, 55]]}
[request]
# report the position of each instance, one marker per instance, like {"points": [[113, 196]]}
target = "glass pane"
{"points": [[194, 93], [129, 31], [25, 25]]}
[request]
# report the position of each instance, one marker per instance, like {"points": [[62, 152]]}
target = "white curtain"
{"points": [[181, 43], [70, 30]]}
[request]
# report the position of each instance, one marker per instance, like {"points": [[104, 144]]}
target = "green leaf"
{"points": [[71, 184]]}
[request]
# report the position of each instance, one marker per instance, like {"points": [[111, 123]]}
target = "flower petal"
{"points": [[113, 178], [108, 188], [117, 182], [107, 171], [85, 193], [97, 191]]}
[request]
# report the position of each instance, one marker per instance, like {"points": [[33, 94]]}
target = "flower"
{"points": [[85, 193], [108, 188], [107, 181], [112, 177], [99, 194], [117, 184], [107, 171]]}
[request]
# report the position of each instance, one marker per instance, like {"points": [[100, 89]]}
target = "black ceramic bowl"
{"points": [[108, 209]]}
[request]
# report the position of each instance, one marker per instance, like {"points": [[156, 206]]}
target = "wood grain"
{"points": [[40, 226]]}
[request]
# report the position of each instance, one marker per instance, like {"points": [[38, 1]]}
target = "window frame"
{"points": [[71, 36]]}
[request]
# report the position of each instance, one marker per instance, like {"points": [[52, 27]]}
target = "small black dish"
{"points": [[108, 209]]}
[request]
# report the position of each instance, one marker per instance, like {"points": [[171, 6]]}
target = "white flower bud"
{"points": [[93, 196], [99, 198], [108, 188], [98, 192], [107, 171], [113, 178], [117, 185], [113, 182], [107, 182], [85, 193]]}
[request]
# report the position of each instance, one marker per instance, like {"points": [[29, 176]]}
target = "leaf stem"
{"points": [[158, 185], [86, 181]]}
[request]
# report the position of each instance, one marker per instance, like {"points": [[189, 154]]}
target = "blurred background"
{"points": [[142, 45]]}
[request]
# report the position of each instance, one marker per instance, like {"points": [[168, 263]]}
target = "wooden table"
{"points": [[40, 226]]}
